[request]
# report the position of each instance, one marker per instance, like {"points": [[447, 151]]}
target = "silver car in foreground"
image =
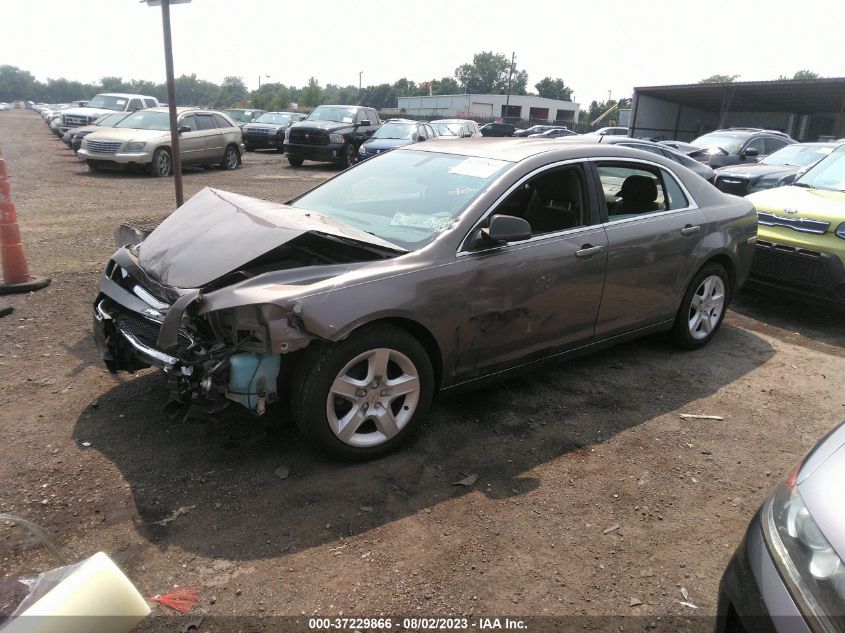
{"points": [[788, 574]]}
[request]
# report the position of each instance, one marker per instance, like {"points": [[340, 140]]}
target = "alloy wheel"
{"points": [[706, 307], [373, 397]]}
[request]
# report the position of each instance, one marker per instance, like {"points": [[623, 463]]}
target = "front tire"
{"points": [[703, 307], [363, 397], [294, 162], [350, 156], [231, 158], [162, 165]]}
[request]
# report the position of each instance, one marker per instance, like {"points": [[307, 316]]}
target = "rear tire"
{"points": [[363, 397], [703, 307], [162, 164], [231, 158], [295, 162]]}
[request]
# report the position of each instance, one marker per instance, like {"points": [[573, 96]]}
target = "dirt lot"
{"points": [[561, 455]]}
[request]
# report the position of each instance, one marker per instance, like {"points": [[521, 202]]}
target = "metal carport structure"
{"points": [[805, 109]]}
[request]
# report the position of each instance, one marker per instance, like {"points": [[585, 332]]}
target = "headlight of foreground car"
{"points": [[84, 144], [815, 573], [362, 150], [840, 231], [336, 138], [135, 147]]}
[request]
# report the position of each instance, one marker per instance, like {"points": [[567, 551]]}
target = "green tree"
{"points": [[553, 89], [381, 96], [17, 84], [405, 88], [488, 74], [310, 95], [114, 84], [804, 75], [232, 90], [719, 79]]}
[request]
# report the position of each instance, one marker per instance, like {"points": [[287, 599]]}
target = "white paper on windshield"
{"points": [[825, 150], [120, 101], [477, 167], [421, 221], [347, 119]]}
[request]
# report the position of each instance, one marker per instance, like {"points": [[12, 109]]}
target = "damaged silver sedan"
{"points": [[421, 270]]}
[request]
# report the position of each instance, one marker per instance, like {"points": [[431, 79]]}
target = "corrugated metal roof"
{"points": [[801, 96]]}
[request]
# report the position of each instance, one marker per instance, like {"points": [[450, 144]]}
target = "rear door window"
{"points": [[135, 104], [631, 190], [774, 144], [206, 122], [221, 122], [150, 103]]}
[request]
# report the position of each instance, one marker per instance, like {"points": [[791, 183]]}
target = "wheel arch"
{"points": [[725, 261]]}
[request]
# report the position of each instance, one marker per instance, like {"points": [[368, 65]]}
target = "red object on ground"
{"points": [[180, 600]]}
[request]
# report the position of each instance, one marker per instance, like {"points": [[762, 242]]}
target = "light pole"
{"points": [[360, 74], [259, 80], [510, 76], [171, 92]]}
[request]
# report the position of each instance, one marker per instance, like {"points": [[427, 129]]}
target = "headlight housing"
{"points": [[287, 135], [135, 146], [362, 150], [811, 567], [84, 143], [840, 231], [337, 138]]}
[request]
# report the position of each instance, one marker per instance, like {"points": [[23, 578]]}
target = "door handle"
{"points": [[689, 229], [588, 251]]}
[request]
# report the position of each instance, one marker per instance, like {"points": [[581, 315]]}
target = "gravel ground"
{"points": [[561, 455]]}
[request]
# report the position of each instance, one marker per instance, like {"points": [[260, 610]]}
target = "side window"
{"points": [[644, 147], [552, 201], [221, 122], [206, 122], [631, 191], [190, 121], [430, 131], [674, 194], [373, 117], [150, 103], [774, 144], [135, 104], [759, 144]]}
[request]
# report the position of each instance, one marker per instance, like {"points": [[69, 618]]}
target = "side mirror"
{"points": [[506, 228], [421, 138], [184, 128], [751, 152]]}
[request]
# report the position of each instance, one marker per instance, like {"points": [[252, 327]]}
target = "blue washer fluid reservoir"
{"points": [[253, 379]]}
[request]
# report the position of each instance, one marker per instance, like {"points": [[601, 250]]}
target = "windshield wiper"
{"points": [[802, 184]]}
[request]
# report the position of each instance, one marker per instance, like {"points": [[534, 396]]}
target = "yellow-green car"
{"points": [[801, 232]]}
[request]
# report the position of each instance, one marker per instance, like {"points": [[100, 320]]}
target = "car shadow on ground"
{"points": [[223, 473], [778, 312]]}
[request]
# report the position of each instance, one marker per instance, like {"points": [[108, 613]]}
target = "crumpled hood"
{"points": [[217, 232], [815, 204]]}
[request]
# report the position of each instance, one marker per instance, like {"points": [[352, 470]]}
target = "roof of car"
{"points": [[128, 95], [747, 131], [518, 149], [453, 121], [181, 109]]}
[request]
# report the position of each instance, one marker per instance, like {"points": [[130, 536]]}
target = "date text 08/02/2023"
{"points": [[416, 624]]}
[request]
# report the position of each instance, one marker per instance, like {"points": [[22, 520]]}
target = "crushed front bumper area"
{"points": [[138, 323]]}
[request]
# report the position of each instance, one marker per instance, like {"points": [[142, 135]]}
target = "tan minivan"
{"points": [[143, 139]]}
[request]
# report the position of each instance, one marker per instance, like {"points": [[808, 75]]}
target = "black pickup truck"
{"points": [[331, 134]]}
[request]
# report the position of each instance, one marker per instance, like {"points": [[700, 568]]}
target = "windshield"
{"points": [[147, 120], [106, 102], [826, 174], [730, 144], [447, 129], [273, 117], [797, 155], [403, 131], [332, 113], [405, 197]]}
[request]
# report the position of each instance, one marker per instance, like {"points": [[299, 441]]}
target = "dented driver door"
{"points": [[525, 300]]}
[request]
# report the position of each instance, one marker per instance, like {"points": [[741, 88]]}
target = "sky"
{"points": [[597, 48]]}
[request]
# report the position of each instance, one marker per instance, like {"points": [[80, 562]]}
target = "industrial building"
{"points": [[807, 110], [491, 107]]}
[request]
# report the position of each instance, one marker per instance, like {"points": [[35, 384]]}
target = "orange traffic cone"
{"points": [[16, 276]]}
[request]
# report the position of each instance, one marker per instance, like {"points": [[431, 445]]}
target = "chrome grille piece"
{"points": [[804, 225], [103, 147]]}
